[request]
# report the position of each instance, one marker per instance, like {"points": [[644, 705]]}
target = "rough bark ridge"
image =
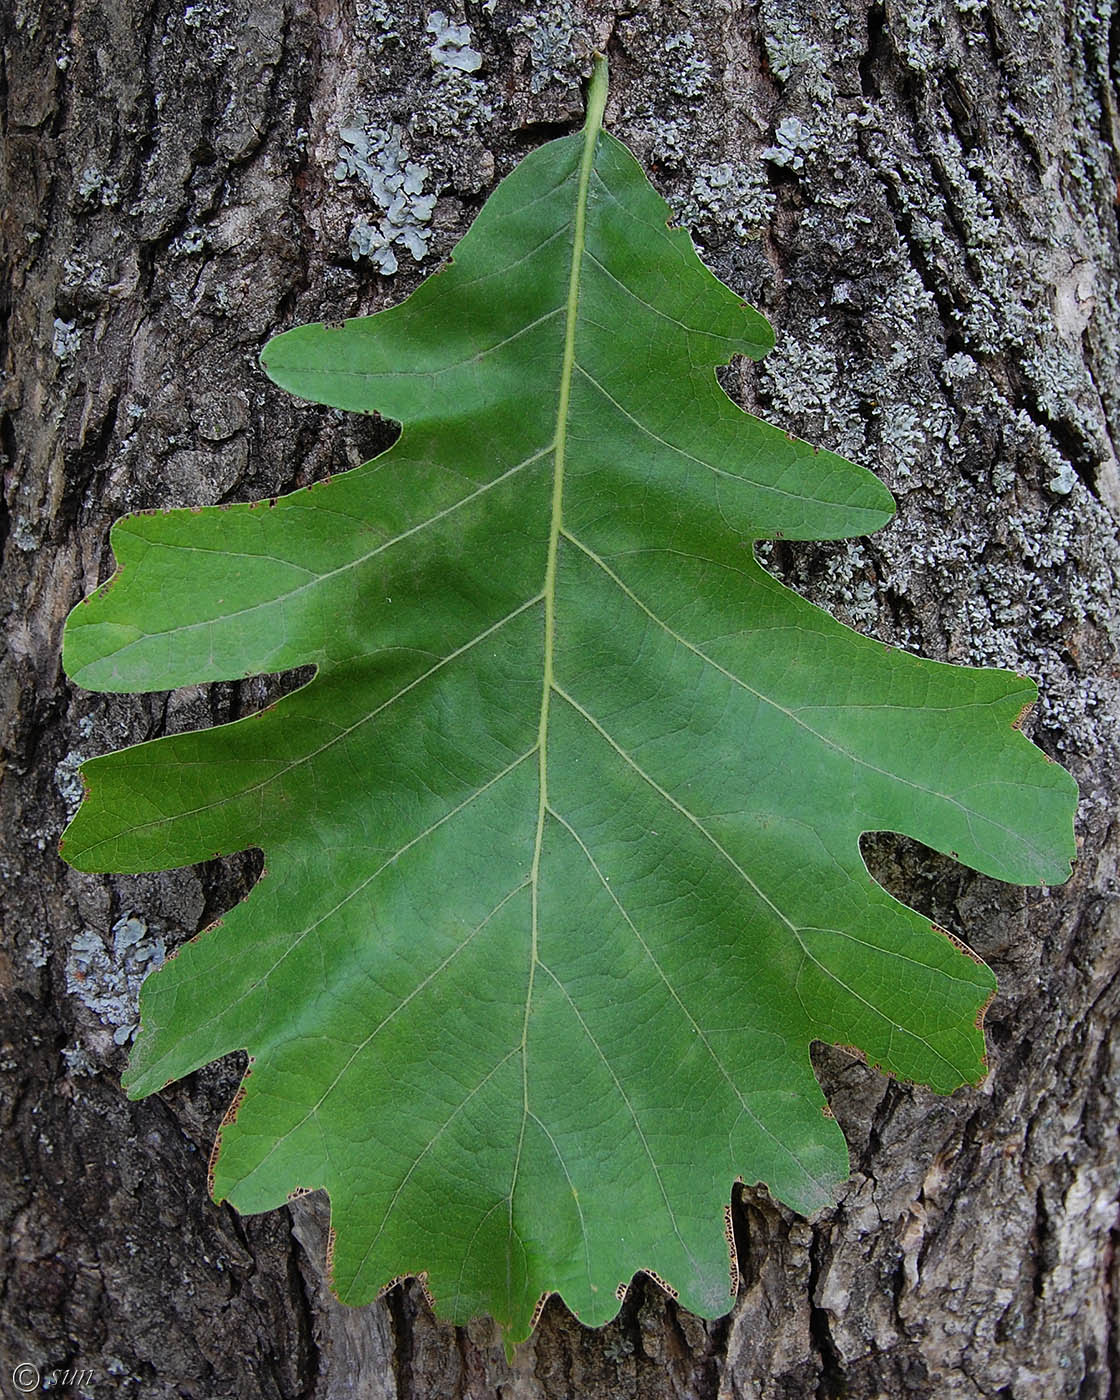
{"points": [[922, 196]]}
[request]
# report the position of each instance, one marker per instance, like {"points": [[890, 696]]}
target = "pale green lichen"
{"points": [[807, 384], [106, 979], [377, 22], [791, 52], [452, 47], [687, 71], [68, 782], [793, 141], [456, 101], [725, 200], [378, 160], [66, 340], [558, 46], [95, 182], [907, 431], [78, 1061], [190, 241], [668, 114]]}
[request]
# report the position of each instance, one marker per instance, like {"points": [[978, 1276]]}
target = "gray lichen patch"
{"points": [[397, 158], [377, 23], [452, 46], [95, 184], [456, 101], [791, 56], [555, 43], [793, 142], [378, 159], [68, 781], [724, 201], [675, 112], [78, 1061], [66, 340], [688, 71], [106, 979], [192, 240], [807, 383]]}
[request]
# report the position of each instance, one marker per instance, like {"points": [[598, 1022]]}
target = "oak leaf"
{"points": [[562, 840]]}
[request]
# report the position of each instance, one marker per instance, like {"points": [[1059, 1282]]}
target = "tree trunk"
{"points": [[922, 198]]}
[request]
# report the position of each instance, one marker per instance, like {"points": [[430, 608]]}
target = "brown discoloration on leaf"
{"points": [[980, 1018], [217, 923], [227, 1121], [732, 1252], [330, 1253], [212, 1163], [959, 944], [665, 1287]]}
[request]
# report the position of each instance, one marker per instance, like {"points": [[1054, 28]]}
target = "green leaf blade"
{"points": [[562, 839]]}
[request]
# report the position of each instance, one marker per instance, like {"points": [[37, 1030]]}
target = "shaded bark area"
{"points": [[922, 197]]}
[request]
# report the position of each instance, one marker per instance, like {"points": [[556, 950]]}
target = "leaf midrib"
{"points": [[596, 102]]}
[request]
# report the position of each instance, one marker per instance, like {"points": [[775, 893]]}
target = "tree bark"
{"points": [[922, 196]]}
